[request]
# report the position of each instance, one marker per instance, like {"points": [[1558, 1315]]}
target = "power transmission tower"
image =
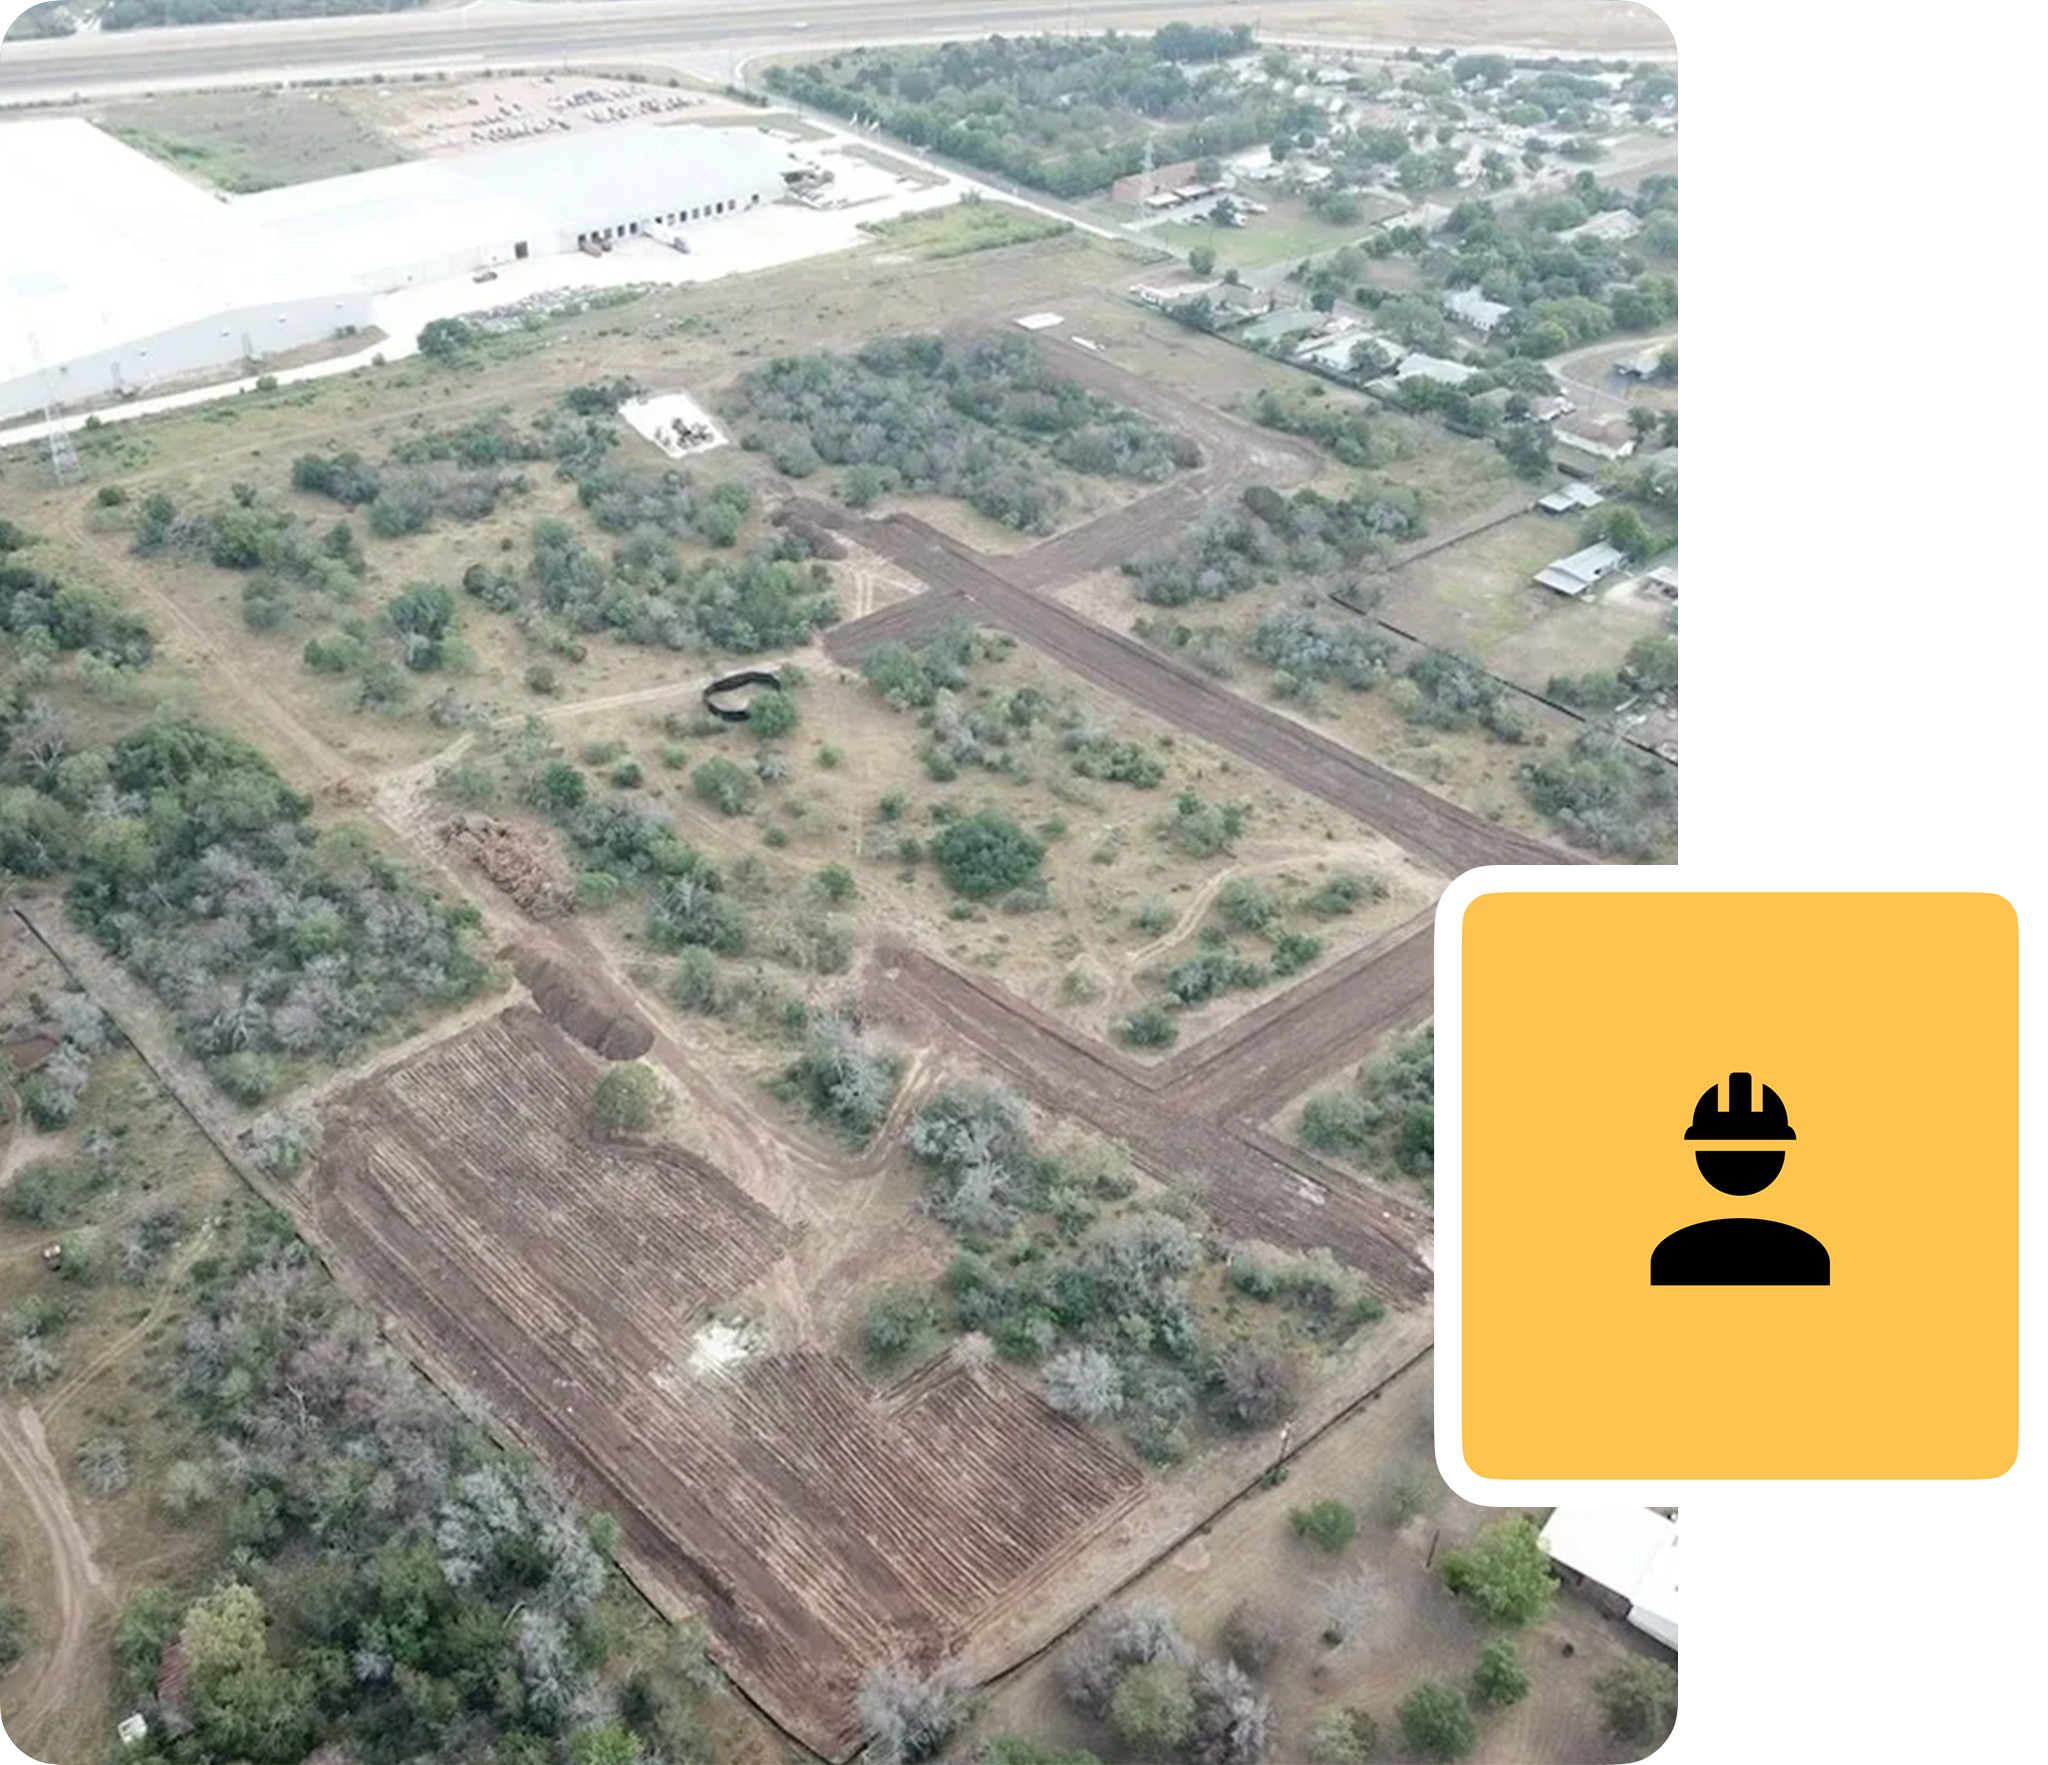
{"points": [[64, 466]]}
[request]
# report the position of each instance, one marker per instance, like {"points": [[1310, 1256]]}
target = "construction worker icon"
{"points": [[1751, 1153]]}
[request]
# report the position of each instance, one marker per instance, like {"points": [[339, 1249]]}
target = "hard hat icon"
{"points": [[1741, 1120]]}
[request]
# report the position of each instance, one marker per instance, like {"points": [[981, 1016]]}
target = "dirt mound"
{"points": [[586, 1010], [521, 861], [822, 544]]}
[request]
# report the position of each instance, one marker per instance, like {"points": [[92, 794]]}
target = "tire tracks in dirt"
{"points": [[62, 1671]]}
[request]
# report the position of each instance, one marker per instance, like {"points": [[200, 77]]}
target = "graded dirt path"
{"points": [[1253, 1187], [1247, 1069], [62, 1670], [1434, 831]]}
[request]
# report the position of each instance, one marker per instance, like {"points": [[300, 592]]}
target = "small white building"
{"points": [[1625, 1559], [1574, 575], [1469, 307], [1611, 223], [1605, 438], [1573, 494]]}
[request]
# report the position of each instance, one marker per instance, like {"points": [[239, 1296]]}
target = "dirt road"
{"points": [[1253, 1187], [1434, 831], [63, 1669], [1248, 1069]]}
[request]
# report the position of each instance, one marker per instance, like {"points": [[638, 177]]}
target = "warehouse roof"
{"points": [[105, 245], [406, 214]]}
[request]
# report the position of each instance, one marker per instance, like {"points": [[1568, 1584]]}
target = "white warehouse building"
{"points": [[120, 275]]}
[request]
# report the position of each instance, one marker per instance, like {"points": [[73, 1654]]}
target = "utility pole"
{"points": [[64, 467]]}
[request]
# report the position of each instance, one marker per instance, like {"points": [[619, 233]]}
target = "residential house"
{"points": [[1548, 410], [1605, 438], [1611, 223], [1641, 366], [1570, 496], [1577, 573], [1625, 1560], [1469, 307], [1663, 583]]}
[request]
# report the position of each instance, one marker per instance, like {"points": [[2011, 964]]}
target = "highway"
{"points": [[709, 36]]}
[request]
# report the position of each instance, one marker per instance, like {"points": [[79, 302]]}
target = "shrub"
{"points": [[1409, 1492], [912, 1717], [1150, 1026], [1328, 1524], [1248, 904], [696, 984], [1499, 1678], [986, 854], [1638, 1701], [103, 1465], [894, 1322], [540, 678], [836, 884], [727, 785], [629, 1099], [771, 714], [1342, 1735], [1435, 1722], [1255, 1387], [445, 339], [1115, 1640], [1504, 1573], [1084, 1383], [1252, 1636], [1152, 1711], [844, 1078]]}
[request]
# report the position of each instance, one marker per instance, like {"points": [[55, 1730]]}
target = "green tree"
{"points": [[443, 340], [1643, 423], [1202, 260], [1328, 1524], [723, 782], [608, 1743], [1153, 1711], [1435, 1722], [1638, 1701], [771, 714], [1504, 1573], [894, 1322], [628, 1099], [1500, 1678], [986, 854], [1342, 1734]]}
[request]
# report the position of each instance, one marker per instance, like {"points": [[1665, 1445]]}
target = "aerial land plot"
{"points": [[1131, 901], [817, 1526], [1287, 233], [1321, 1632], [242, 142]]}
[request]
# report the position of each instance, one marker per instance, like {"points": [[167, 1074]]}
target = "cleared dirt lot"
{"points": [[566, 1282]]}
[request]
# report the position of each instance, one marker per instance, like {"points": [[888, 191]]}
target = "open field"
{"points": [[572, 1291], [1415, 1630], [246, 141], [964, 227], [1287, 233]]}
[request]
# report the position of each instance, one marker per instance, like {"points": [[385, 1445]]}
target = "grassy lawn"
{"points": [[1289, 233], [964, 227], [246, 141]]}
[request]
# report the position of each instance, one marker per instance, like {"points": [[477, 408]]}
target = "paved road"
{"points": [[679, 31]]}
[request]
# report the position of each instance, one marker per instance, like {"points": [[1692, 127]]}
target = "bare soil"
{"points": [[564, 1278]]}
